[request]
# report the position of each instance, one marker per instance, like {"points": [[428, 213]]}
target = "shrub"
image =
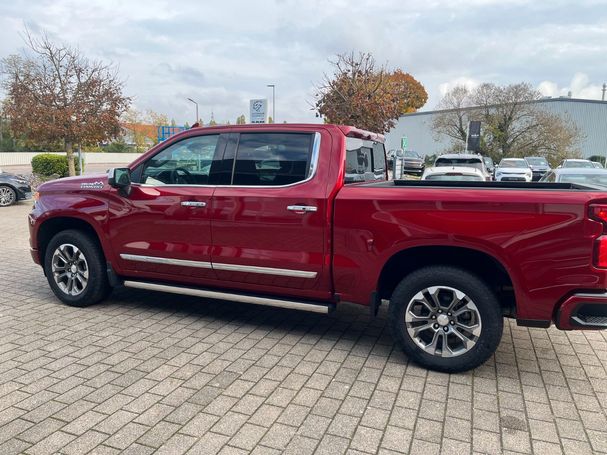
{"points": [[48, 164]]}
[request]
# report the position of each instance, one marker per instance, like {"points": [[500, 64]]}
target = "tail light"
{"points": [[599, 213]]}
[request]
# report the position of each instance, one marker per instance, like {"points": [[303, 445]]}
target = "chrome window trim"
{"points": [[311, 171], [219, 266]]}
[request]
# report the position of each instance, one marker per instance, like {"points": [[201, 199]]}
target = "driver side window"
{"points": [[187, 162]]}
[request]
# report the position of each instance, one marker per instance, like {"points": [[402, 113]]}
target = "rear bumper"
{"points": [[583, 312]]}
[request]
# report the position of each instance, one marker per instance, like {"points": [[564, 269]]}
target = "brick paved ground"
{"points": [[155, 373]]}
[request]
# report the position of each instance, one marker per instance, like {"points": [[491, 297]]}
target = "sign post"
{"points": [[259, 110]]}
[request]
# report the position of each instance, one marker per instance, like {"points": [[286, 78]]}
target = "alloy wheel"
{"points": [[70, 269], [443, 321], [7, 196]]}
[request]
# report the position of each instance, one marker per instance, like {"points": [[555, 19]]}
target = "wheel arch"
{"points": [[52, 226], [482, 264]]}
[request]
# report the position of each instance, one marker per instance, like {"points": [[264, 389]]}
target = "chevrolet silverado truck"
{"points": [[304, 217]]}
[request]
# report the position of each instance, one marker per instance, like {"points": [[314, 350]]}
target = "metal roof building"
{"points": [[589, 115]]}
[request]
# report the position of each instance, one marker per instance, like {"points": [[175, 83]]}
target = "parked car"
{"points": [[513, 170], [489, 164], [13, 188], [413, 163], [456, 173], [539, 166], [452, 263], [464, 160], [597, 164], [584, 176], [574, 162]]}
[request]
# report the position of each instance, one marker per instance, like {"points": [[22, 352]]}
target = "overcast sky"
{"points": [[223, 53]]}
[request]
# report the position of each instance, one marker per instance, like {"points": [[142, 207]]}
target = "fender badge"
{"points": [[91, 186]]}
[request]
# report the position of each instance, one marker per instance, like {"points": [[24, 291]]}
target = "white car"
{"points": [[513, 170], [455, 173], [463, 160]]}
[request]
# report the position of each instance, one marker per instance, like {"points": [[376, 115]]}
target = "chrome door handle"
{"points": [[193, 204], [302, 208]]}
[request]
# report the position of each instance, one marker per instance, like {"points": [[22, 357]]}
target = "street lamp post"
{"points": [[273, 102], [190, 99]]}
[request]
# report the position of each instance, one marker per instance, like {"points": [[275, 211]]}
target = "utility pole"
{"points": [[190, 99], [273, 102], [604, 90]]}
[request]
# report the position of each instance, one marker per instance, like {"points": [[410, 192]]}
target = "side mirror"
{"points": [[119, 177]]}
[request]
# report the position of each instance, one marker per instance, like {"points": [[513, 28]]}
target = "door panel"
{"points": [[164, 225], [256, 238]]}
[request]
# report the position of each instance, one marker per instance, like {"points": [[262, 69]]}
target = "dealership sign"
{"points": [[259, 111]]}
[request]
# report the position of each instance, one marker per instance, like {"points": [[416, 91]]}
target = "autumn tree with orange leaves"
{"points": [[56, 94], [367, 96]]}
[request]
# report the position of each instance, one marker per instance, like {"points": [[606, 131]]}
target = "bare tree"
{"points": [[513, 123], [55, 94], [365, 95]]}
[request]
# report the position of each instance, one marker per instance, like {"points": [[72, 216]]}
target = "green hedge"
{"points": [[48, 164]]}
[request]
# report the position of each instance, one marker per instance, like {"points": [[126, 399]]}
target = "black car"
{"points": [[13, 188], [413, 163], [539, 166]]}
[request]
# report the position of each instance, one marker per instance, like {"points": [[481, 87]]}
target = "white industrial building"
{"points": [[589, 115]]}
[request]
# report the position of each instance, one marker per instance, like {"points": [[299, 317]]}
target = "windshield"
{"points": [[488, 161], [410, 154], [464, 162], [537, 161], [577, 163], [514, 163], [457, 177]]}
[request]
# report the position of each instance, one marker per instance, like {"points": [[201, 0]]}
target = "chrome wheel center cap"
{"points": [[74, 269], [443, 319]]}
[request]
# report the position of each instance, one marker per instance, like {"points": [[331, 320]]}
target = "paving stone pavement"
{"points": [[155, 373]]}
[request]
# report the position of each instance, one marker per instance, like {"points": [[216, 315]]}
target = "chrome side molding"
{"points": [[166, 261], [220, 266], [256, 300], [263, 270]]}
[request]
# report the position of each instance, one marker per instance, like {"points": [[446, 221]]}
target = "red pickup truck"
{"points": [[304, 217]]}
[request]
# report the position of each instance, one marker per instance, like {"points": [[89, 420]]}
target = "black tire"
{"points": [[97, 285], [8, 196], [486, 309]]}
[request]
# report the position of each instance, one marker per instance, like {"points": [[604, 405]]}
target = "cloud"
{"points": [[225, 53], [580, 86]]}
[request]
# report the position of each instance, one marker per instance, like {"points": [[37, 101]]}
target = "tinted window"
{"points": [[580, 163], [272, 158], [514, 163], [537, 161], [365, 160], [464, 162], [187, 162], [591, 179]]}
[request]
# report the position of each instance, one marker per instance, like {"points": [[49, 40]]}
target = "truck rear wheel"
{"points": [[446, 319], [75, 269]]}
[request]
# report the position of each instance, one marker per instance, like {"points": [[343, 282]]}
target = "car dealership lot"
{"points": [[146, 371]]}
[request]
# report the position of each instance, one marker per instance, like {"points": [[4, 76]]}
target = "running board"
{"points": [[267, 301]]}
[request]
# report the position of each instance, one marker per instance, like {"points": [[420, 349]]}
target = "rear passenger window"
{"points": [[365, 160], [272, 159]]}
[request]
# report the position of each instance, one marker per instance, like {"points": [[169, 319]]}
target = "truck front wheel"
{"points": [[446, 319], [75, 269]]}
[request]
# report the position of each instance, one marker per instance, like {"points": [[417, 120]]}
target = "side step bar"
{"points": [[256, 300]]}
